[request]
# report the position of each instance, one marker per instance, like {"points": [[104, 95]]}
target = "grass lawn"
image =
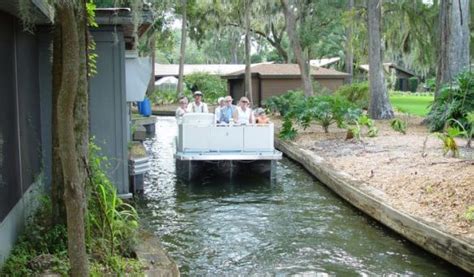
{"points": [[417, 105]]}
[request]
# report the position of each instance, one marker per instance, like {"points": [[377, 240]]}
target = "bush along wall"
{"points": [[111, 229]]}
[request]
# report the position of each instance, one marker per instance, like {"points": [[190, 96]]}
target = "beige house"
{"points": [[275, 79]]}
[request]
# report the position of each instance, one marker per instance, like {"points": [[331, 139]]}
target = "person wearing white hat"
{"points": [[217, 111], [197, 106]]}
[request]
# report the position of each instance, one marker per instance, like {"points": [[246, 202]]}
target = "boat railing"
{"points": [[198, 133]]}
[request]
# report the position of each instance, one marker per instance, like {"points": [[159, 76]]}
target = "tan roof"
{"points": [[288, 70], [214, 69]]}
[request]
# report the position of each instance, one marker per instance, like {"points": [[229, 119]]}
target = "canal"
{"points": [[254, 226]]}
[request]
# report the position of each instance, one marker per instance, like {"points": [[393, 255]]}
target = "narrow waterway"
{"points": [[254, 226]]}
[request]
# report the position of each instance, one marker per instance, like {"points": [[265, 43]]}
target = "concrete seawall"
{"points": [[434, 239]]}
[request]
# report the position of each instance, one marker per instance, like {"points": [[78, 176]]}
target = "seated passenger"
{"points": [[261, 117], [217, 111], [227, 111], [181, 110], [243, 114], [197, 106]]}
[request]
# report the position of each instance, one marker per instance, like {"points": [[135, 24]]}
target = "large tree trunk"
{"points": [[454, 40], [349, 63], [182, 51], [248, 73], [72, 80], [379, 107], [57, 180], [295, 42]]}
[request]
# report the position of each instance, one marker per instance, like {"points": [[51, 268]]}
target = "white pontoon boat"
{"points": [[229, 148]]}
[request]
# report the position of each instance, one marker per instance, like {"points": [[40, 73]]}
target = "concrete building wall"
{"points": [[107, 104]]}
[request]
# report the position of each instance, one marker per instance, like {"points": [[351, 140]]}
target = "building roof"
{"points": [[41, 12], [324, 62], [286, 71], [162, 70], [387, 66], [123, 17]]}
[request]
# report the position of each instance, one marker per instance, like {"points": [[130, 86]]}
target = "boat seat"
{"points": [[198, 119]]}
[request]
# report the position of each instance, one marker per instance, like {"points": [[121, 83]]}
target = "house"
{"points": [[26, 107], [25, 117], [325, 62], [119, 77], [275, 79], [396, 76], [172, 70]]}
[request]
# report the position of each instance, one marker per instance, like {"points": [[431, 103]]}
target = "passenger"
{"points": [[261, 117], [227, 111], [217, 111], [197, 106], [243, 114], [182, 109]]}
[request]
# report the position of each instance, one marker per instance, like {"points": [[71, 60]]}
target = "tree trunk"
{"points": [[454, 40], [379, 107], [182, 51], [57, 180], [248, 73], [349, 64], [295, 41], [151, 84], [71, 81]]}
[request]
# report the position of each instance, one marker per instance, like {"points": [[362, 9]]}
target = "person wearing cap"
{"points": [[217, 111], [261, 117], [197, 106], [227, 111], [182, 109], [243, 114]]}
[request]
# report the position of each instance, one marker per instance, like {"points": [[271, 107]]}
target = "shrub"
{"points": [[285, 103], [164, 96], [399, 125], [212, 86], [413, 84], [455, 101], [357, 93]]}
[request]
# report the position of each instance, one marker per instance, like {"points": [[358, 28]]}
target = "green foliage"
{"points": [[413, 84], [399, 125], [287, 131], [449, 144], [111, 226], [469, 214], [164, 96], [455, 101], [357, 93], [212, 86], [285, 103], [323, 110], [42, 246], [111, 223], [354, 127]]}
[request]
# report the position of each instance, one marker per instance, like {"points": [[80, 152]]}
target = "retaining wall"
{"points": [[434, 239]]}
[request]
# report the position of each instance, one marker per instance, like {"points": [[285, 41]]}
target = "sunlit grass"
{"points": [[416, 105]]}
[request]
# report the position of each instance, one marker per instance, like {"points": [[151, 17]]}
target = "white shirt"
{"points": [[194, 108], [180, 112], [217, 113], [243, 116]]}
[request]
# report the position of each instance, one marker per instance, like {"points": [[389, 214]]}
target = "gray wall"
{"points": [[108, 113], [21, 174]]}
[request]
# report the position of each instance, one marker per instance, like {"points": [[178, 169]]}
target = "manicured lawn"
{"points": [[417, 105]]}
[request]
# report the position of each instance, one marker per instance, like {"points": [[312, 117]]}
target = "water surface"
{"points": [[253, 226]]}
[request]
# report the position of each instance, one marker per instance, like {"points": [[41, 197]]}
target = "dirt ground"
{"points": [[435, 188]]}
